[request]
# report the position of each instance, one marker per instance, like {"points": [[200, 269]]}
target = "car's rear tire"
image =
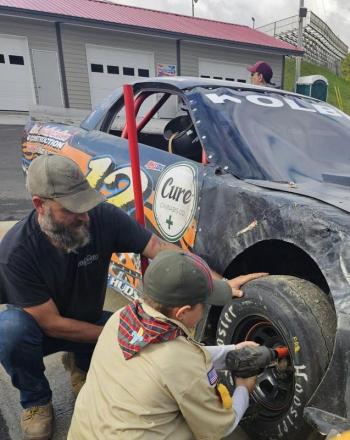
{"points": [[282, 311]]}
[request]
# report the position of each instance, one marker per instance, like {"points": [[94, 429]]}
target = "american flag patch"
{"points": [[212, 376]]}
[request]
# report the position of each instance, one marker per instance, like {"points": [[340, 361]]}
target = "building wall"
{"points": [[40, 35], [74, 48], [74, 45], [191, 52]]}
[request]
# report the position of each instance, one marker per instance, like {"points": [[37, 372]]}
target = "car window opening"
{"points": [[163, 122]]}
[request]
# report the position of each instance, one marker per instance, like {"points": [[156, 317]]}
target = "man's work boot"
{"points": [[36, 422], [77, 376]]}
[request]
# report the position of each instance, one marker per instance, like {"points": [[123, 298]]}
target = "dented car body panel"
{"points": [[260, 195]]}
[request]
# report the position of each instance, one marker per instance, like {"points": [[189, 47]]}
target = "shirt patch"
{"points": [[88, 260], [212, 376]]}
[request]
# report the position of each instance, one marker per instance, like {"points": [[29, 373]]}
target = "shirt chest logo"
{"points": [[88, 260]]}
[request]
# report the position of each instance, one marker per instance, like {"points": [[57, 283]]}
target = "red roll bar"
{"points": [[134, 159]]}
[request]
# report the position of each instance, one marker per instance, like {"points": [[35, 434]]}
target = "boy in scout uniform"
{"points": [[149, 379]]}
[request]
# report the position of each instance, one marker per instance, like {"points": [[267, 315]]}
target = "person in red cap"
{"points": [[261, 74]]}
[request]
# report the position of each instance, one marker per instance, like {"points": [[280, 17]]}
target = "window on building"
{"points": [[229, 79], [143, 72], [130, 71], [16, 59], [241, 81], [97, 68], [217, 77], [113, 69], [205, 76], [2, 58]]}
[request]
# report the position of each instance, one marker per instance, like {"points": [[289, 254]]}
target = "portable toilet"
{"points": [[313, 85]]}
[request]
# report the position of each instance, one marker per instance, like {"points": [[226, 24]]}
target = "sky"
{"points": [[336, 13]]}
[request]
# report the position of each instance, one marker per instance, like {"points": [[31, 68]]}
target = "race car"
{"points": [[252, 179]]}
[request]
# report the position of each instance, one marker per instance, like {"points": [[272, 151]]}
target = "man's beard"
{"points": [[65, 237]]}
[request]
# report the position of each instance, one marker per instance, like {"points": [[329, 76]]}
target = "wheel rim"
{"points": [[275, 385]]}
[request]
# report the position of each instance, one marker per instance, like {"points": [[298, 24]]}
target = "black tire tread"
{"points": [[315, 301]]}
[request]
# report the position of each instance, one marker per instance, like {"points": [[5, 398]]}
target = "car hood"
{"points": [[332, 194]]}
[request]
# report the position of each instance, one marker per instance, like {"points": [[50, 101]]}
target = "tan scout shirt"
{"points": [[161, 393]]}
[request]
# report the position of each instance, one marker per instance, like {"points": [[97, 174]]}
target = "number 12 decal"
{"points": [[116, 183]]}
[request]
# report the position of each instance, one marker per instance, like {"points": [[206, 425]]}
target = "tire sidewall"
{"points": [[274, 302]]}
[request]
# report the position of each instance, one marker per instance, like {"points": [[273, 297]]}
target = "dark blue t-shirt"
{"points": [[32, 270]]}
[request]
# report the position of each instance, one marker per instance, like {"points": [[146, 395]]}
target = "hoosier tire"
{"points": [[282, 311]]}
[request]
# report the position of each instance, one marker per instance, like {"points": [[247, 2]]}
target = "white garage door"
{"points": [[110, 68], [16, 89], [219, 70]]}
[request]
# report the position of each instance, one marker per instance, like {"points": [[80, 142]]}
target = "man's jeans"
{"points": [[22, 348]]}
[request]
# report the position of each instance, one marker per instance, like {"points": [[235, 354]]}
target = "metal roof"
{"points": [[112, 13]]}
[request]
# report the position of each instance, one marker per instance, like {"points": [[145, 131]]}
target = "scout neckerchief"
{"points": [[138, 329]]}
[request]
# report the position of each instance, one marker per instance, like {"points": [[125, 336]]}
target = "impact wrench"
{"points": [[251, 361]]}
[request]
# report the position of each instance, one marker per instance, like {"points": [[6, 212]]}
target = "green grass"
{"points": [[313, 69]]}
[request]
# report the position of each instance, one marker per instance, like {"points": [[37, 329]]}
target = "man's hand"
{"points": [[156, 245], [237, 283], [56, 326]]}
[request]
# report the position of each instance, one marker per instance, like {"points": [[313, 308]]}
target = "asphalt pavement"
{"points": [[14, 200]]}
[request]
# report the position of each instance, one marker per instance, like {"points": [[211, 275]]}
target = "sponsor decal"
{"points": [[125, 275], [175, 200], [49, 136], [278, 102], [123, 286], [154, 166], [62, 135], [51, 142]]}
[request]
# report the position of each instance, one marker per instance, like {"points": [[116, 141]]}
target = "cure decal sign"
{"points": [[175, 200]]}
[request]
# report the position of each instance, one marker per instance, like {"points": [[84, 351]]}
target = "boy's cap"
{"points": [[263, 68], [176, 278], [56, 177]]}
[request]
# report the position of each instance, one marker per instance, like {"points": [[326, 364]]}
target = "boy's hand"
{"points": [[237, 283], [246, 344], [248, 382]]}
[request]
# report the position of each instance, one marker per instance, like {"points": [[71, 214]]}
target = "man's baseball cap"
{"points": [[56, 177], [177, 278], [263, 68]]}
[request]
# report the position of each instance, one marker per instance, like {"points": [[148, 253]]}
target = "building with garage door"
{"points": [[73, 53]]}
